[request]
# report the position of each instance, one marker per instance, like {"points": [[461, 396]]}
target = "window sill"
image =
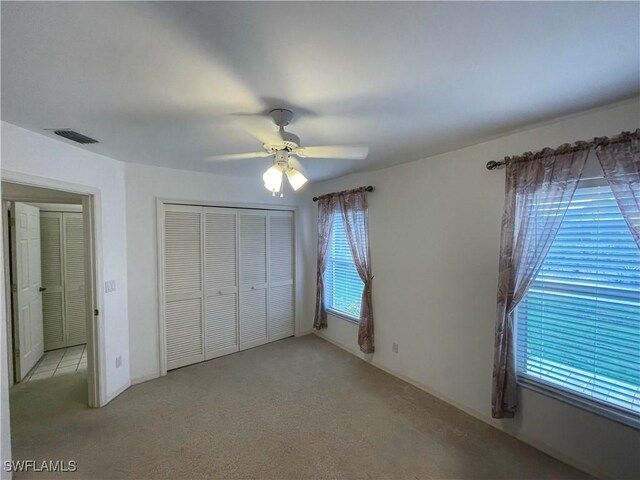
{"points": [[343, 316], [575, 400]]}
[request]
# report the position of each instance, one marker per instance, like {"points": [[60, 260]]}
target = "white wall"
{"points": [[144, 184], [28, 153], [435, 239]]}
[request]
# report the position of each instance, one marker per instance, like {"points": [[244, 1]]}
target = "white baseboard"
{"points": [[552, 452], [305, 332]]}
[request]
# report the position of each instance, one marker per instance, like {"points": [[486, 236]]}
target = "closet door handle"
{"points": [[253, 287], [42, 289], [219, 292]]}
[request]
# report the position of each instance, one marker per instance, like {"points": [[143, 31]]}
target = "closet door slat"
{"points": [[75, 303], [253, 278], [183, 285], [52, 280], [281, 272], [221, 287]]}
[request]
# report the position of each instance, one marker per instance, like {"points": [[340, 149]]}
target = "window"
{"points": [[343, 287], [578, 327]]}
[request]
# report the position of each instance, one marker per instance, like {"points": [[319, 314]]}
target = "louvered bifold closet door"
{"points": [[221, 282], [183, 285], [74, 279], [281, 264], [253, 278], [52, 279]]}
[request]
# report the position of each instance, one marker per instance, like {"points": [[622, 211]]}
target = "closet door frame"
{"points": [[161, 203]]}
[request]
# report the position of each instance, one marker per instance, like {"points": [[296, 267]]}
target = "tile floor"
{"points": [[58, 362]]}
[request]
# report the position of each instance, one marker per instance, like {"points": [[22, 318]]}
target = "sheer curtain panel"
{"points": [[538, 191], [326, 211], [354, 210], [620, 161]]}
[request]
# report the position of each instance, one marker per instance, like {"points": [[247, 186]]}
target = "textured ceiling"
{"points": [[157, 82]]}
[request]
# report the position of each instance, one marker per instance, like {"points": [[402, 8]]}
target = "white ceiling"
{"points": [[156, 82]]}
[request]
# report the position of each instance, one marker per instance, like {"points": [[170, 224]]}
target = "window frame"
{"points": [[567, 395], [329, 308]]}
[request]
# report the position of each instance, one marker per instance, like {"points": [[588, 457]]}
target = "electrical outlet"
{"points": [[118, 361], [394, 347]]}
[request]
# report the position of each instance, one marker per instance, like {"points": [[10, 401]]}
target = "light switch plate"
{"points": [[110, 286]]}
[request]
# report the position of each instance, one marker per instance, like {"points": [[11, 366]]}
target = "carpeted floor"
{"points": [[297, 408]]}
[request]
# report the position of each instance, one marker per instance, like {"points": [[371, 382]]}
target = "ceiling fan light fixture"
{"points": [[273, 179], [296, 178]]}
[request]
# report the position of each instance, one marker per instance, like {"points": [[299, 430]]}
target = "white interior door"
{"points": [[253, 278], [28, 296], [281, 265], [221, 282], [183, 266], [52, 280], [74, 279]]}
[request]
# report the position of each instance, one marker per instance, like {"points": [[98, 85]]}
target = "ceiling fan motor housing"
{"points": [[282, 158]]}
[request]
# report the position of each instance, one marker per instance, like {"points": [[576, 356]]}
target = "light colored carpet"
{"points": [[297, 408]]}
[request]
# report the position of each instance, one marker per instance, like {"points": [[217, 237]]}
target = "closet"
{"points": [[62, 262], [228, 280]]}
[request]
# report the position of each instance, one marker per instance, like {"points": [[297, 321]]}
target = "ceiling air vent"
{"points": [[75, 136]]}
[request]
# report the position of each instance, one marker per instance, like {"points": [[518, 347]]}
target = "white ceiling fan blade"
{"points": [[259, 127], [346, 152], [238, 156]]}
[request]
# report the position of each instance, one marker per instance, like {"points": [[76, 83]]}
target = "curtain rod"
{"points": [[361, 189], [566, 148]]}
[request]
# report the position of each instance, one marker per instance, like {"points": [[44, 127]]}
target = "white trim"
{"points": [[244, 206], [474, 413], [162, 331], [343, 316], [6, 205], [57, 207], [92, 207], [271, 209], [304, 332], [579, 401]]}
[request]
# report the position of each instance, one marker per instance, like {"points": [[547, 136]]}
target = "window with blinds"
{"points": [[343, 287], [578, 327]]}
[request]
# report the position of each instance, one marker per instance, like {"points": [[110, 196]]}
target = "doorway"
{"points": [[50, 291]]}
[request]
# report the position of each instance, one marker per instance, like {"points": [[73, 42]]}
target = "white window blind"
{"points": [[343, 287], [578, 327]]}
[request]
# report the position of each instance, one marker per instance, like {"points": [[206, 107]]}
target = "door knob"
{"points": [[253, 287], [42, 289], [219, 292]]}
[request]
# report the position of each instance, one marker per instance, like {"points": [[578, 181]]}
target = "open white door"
{"points": [[25, 236]]}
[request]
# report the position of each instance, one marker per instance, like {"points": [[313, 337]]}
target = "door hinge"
{"points": [[96, 312], [14, 288], [12, 221]]}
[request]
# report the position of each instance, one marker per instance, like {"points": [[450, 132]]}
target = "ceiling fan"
{"points": [[284, 146]]}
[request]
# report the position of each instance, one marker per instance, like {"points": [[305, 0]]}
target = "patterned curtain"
{"points": [[538, 191], [620, 161], [354, 210], [326, 211]]}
